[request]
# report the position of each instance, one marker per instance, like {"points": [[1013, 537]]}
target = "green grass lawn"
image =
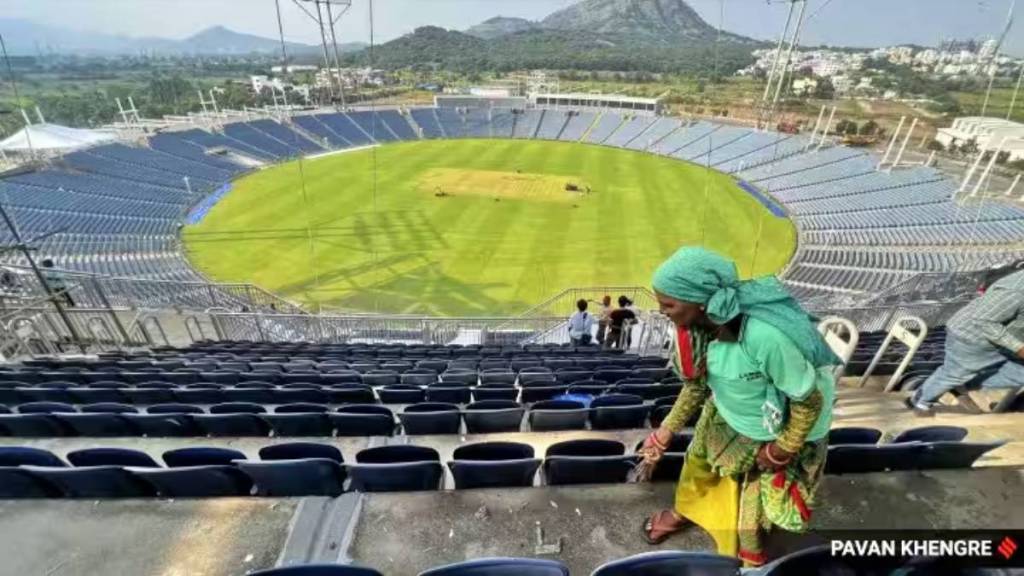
{"points": [[367, 231]]}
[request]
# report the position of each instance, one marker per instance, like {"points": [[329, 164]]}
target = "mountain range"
{"points": [[619, 35], [25, 37], [658, 20]]}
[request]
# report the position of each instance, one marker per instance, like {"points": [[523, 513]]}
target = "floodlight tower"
{"points": [[782, 61], [322, 13]]}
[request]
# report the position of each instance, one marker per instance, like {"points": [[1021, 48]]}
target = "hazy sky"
{"points": [[845, 22]]}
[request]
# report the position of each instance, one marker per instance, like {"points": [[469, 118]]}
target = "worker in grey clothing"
{"points": [[985, 338]]}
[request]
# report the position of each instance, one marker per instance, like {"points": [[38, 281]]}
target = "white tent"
{"points": [[54, 138]]}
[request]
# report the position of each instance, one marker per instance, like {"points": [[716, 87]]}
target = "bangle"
{"points": [[768, 455], [654, 440]]}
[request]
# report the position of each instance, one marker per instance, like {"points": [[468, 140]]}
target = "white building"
{"points": [[989, 133], [293, 68]]}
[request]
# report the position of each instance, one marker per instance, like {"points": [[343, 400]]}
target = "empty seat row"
{"points": [[240, 419], [306, 469], [343, 393]]}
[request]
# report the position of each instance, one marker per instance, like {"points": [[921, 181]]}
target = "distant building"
{"points": [[989, 133], [804, 86], [293, 68]]}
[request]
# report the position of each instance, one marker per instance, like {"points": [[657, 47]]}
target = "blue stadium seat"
{"points": [[228, 425], [295, 478], [170, 425], [96, 395], [493, 465], [932, 434], [554, 415], [173, 408], [313, 423], [419, 377], [495, 392], [301, 450], [859, 459], [45, 408], [201, 456], [493, 416], [541, 391], [237, 408], [19, 483], [497, 376], [97, 425], [449, 393], [618, 411], [109, 408], [396, 469], [318, 570], [150, 395], [95, 482], [854, 435], [401, 394], [197, 481], [363, 420], [674, 563], [501, 567], [431, 418], [958, 454], [350, 394], [587, 461], [30, 426], [111, 457], [25, 456]]}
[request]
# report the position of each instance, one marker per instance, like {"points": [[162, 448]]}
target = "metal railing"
{"points": [[98, 291], [651, 335], [564, 303]]}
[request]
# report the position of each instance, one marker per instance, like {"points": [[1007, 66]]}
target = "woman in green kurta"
{"points": [[762, 375]]}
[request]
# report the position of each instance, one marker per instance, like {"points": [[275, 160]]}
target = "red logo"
{"points": [[1007, 547]]}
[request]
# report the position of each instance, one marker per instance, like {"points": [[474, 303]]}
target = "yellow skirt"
{"points": [[710, 501]]}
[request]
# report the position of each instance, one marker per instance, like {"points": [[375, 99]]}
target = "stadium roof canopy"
{"points": [[51, 137]]}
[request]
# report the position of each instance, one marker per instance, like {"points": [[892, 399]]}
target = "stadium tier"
{"points": [[116, 209]]}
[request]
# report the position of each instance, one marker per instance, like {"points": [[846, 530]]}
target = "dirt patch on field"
{"points": [[503, 185]]}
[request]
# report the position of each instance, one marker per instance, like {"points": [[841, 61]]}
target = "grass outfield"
{"points": [[474, 227]]}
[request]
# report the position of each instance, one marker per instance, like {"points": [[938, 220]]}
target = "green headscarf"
{"points": [[702, 276]]}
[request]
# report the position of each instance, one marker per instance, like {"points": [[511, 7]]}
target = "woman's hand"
{"points": [[771, 458], [656, 444]]}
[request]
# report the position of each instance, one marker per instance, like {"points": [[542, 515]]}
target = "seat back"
{"points": [[842, 336], [493, 416], [553, 415], [95, 482], [854, 435], [296, 478], [676, 563], [501, 567], [25, 456], [201, 456], [111, 457], [301, 450], [431, 418], [854, 459], [941, 455], [931, 434], [911, 331], [197, 481]]}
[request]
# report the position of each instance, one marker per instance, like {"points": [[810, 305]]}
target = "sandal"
{"points": [[648, 527]]}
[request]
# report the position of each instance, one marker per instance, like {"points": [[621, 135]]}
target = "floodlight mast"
{"points": [[781, 64], [325, 20]]}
